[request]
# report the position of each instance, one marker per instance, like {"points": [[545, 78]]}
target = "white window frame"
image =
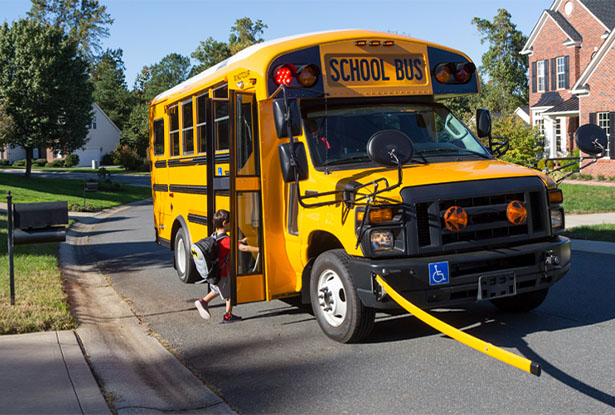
{"points": [[603, 120], [560, 74], [540, 76], [176, 131], [197, 139]]}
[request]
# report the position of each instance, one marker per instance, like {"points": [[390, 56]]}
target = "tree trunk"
{"points": [[29, 153]]}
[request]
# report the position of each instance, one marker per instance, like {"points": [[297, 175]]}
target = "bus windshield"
{"points": [[339, 136]]}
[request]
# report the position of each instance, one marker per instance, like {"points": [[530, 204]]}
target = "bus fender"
{"points": [[305, 281]]}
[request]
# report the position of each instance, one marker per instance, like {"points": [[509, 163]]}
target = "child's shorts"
{"points": [[223, 288]]}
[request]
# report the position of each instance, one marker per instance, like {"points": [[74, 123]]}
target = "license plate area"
{"points": [[497, 285]]}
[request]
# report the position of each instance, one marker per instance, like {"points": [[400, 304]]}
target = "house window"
{"points": [[561, 72], [94, 122], [559, 137], [174, 130], [603, 122], [540, 76], [187, 130]]}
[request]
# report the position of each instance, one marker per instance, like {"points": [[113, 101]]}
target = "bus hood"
{"points": [[436, 173]]}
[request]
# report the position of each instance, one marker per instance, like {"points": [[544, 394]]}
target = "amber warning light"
{"points": [[455, 218]]}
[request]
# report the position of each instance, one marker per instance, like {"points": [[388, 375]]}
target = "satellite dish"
{"points": [[590, 139]]}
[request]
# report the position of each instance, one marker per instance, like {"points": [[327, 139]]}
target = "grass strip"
{"points": [[603, 232], [38, 189], [112, 170], [584, 198], [40, 301]]}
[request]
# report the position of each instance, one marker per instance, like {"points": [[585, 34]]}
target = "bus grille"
{"points": [[487, 221]]}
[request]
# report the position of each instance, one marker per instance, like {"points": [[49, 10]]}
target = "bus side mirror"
{"points": [[286, 164], [283, 118], [390, 148], [483, 123], [591, 139]]}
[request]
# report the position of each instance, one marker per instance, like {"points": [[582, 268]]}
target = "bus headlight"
{"points": [[557, 219], [382, 241]]}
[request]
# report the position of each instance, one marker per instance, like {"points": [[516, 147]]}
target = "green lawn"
{"points": [[38, 189], [40, 302], [112, 170], [583, 198], [604, 232]]}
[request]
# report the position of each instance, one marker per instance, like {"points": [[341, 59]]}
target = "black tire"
{"points": [[347, 320], [521, 303], [184, 264]]}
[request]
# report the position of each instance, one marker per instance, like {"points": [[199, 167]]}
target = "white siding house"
{"points": [[103, 137]]}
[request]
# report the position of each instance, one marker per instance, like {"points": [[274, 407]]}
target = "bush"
{"points": [[107, 160], [71, 160], [574, 167], [127, 157], [19, 163], [525, 145], [39, 162], [587, 177], [55, 163], [104, 175], [4, 162], [601, 177]]}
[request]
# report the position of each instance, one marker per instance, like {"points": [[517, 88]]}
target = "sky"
{"points": [[148, 30]]}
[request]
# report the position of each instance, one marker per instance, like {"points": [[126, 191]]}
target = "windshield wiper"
{"points": [[345, 160], [453, 151]]}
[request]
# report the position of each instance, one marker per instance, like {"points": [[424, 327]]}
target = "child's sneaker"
{"points": [[231, 318], [203, 308]]}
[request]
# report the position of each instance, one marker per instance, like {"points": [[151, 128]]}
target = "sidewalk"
{"points": [[46, 373]]}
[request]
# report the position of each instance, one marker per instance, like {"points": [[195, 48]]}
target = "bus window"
{"points": [[221, 120], [247, 134], [187, 130], [249, 230], [174, 131], [159, 137], [201, 123]]}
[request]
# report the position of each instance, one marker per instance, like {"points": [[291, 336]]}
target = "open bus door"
{"points": [[247, 270]]}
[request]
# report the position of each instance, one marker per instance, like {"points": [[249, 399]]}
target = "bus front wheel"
{"points": [[336, 305], [184, 265]]}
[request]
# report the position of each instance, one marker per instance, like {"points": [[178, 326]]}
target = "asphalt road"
{"points": [[278, 361], [131, 179]]}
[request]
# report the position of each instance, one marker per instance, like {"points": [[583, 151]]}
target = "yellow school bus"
{"points": [[335, 156]]}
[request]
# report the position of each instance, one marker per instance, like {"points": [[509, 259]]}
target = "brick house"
{"points": [[571, 55]]}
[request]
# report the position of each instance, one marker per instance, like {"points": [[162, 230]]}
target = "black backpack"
{"points": [[205, 254]]}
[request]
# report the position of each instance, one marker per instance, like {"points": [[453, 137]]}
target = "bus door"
{"points": [[247, 270]]}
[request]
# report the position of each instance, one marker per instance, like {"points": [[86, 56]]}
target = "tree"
{"points": [[110, 91], [506, 69], [86, 21], [243, 34], [170, 71], [525, 142], [44, 89]]}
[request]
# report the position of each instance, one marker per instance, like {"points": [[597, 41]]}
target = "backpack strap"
{"points": [[218, 239]]}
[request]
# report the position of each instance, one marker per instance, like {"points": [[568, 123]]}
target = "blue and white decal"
{"points": [[438, 273]]}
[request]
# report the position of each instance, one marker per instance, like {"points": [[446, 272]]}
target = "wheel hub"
{"points": [[332, 298]]}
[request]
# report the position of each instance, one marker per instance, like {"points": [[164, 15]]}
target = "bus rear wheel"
{"points": [[521, 302], [184, 264], [336, 305]]}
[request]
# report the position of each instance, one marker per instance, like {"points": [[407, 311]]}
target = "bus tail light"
{"points": [[443, 73], [308, 75], [284, 74], [464, 72]]}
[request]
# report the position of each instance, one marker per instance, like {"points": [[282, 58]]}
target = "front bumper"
{"points": [[410, 276]]}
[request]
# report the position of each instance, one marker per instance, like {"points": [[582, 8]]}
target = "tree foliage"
{"points": [[525, 142], [503, 65], [110, 90], [244, 33], [86, 21], [44, 89]]}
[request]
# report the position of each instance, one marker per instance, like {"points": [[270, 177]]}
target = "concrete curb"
{"points": [[134, 370]]}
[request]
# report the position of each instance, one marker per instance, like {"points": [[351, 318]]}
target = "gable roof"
{"points": [[602, 10], [580, 87], [574, 37], [107, 117]]}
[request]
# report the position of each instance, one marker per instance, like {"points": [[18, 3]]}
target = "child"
{"points": [[222, 223]]}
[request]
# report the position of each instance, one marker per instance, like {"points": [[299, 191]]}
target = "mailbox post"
{"points": [[33, 223]]}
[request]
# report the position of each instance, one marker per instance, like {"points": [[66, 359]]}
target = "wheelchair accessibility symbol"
{"points": [[438, 273]]}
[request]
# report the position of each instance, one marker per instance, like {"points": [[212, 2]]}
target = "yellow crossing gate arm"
{"points": [[462, 337]]}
